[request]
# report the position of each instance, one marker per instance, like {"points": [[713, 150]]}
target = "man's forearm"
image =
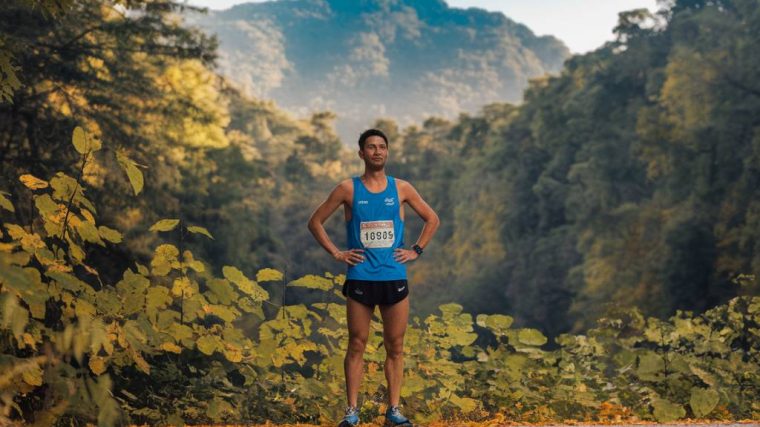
{"points": [[320, 234], [428, 230]]}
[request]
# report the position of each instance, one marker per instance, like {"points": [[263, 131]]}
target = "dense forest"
{"points": [[154, 241], [628, 179]]}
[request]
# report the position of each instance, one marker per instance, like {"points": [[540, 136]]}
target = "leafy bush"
{"points": [[171, 342]]}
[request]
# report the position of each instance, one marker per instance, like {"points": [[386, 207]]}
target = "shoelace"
{"points": [[352, 410], [395, 411]]}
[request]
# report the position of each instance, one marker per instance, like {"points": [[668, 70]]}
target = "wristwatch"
{"points": [[417, 249]]}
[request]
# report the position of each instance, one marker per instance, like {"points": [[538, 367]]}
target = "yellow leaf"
{"points": [[138, 359], [207, 344], [33, 375], [32, 182], [201, 230], [133, 173], [5, 203], [245, 284], [97, 364], [87, 215], [268, 275], [164, 225], [314, 282], [171, 347], [84, 142], [28, 339], [109, 234], [233, 353], [193, 263], [183, 287]]}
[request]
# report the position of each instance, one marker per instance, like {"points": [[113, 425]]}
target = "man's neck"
{"points": [[374, 175]]}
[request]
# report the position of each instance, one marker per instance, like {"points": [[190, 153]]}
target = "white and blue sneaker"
{"points": [[351, 418], [393, 418]]}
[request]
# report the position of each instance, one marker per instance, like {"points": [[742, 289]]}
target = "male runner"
{"points": [[376, 267]]}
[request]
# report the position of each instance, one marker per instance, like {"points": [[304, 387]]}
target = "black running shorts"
{"points": [[371, 292]]}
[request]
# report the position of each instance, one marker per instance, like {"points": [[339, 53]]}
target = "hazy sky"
{"points": [[582, 24]]}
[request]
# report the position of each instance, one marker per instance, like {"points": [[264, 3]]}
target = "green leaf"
{"points": [[201, 230], [110, 234], [703, 401], [530, 336], [84, 142], [89, 232], [164, 225], [14, 316], [184, 287], [133, 173], [313, 282], [228, 314], [164, 259], [220, 291], [207, 344], [650, 363], [497, 323], [45, 205], [158, 298], [450, 309], [465, 404], [666, 411]]}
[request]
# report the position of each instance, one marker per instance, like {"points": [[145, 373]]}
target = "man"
{"points": [[376, 270]]}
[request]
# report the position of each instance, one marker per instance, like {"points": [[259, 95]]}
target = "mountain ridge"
{"points": [[399, 59]]}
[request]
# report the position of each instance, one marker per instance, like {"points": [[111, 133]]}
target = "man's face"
{"points": [[375, 152]]}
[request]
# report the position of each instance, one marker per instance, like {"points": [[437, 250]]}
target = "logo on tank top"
{"points": [[390, 201], [363, 202]]}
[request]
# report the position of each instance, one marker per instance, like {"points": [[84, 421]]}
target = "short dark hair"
{"points": [[371, 132]]}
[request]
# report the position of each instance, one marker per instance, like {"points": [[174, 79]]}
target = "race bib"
{"points": [[376, 234]]}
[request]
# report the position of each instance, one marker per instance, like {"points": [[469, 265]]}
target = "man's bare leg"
{"points": [[359, 317], [395, 318]]}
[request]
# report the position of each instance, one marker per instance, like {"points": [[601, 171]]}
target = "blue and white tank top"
{"points": [[376, 227]]}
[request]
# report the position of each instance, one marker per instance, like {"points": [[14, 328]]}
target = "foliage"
{"points": [[164, 343]]}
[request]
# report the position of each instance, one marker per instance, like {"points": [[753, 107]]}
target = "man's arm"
{"points": [[413, 198], [337, 197]]}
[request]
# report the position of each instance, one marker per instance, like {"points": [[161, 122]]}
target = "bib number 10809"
{"points": [[376, 234]]}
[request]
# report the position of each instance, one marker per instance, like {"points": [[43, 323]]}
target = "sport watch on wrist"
{"points": [[417, 249]]}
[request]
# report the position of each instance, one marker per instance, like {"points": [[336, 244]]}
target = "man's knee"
{"points": [[356, 344], [394, 347]]}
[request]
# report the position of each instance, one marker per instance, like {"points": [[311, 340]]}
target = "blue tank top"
{"points": [[376, 227]]}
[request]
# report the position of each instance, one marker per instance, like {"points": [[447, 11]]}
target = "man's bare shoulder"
{"points": [[404, 187], [344, 189]]}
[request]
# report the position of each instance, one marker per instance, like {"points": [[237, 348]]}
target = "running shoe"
{"points": [[393, 418], [351, 418]]}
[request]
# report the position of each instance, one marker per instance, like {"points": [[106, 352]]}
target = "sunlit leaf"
{"points": [[5, 203], [32, 182], [164, 225], [246, 285], [133, 173], [313, 282], [110, 234], [84, 142], [268, 275], [199, 229]]}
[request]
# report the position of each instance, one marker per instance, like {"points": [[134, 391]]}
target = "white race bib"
{"points": [[376, 234]]}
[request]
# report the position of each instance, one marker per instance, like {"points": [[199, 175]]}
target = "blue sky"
{"points": [[583, 25]]}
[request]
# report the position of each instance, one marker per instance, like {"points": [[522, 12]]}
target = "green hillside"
{"points": [[400, 59]]}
